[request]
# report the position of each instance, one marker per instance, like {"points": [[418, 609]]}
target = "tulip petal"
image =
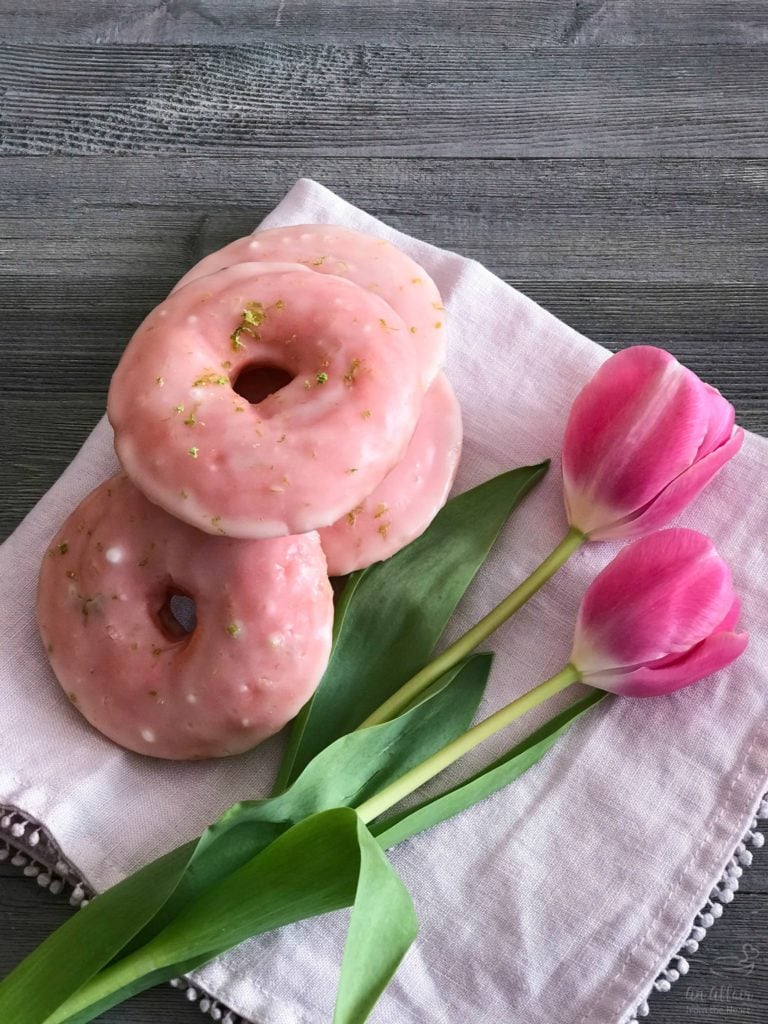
{"points": [[635, 426], [676, 496], [709, 656], [659, 596], [722, 416]]}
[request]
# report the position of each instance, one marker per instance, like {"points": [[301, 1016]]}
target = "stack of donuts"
{"points": [[280, 418]]}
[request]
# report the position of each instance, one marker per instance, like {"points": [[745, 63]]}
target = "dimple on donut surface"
{"points": [[304, 455], [264, 616]]}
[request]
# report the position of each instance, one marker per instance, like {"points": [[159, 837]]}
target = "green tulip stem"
{"points": [[460, 648], [406, 784]]}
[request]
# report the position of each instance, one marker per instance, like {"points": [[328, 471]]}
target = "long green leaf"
{"points": [[398, 612], [77, 950], [324, 863], [488, 780], [382, 927], [343, 775]]}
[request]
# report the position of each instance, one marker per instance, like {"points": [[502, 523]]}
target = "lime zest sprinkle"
{"points": [[233, 629], [63, 548], [159, 381], [352, 516], [210, 378], [193, 451], [321, 378], [351, 374]]}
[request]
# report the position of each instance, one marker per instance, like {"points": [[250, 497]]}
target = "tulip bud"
{"points": [[660, 616], [644, 436]]}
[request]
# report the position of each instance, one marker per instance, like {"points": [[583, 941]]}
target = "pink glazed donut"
{"points": [[260, 644], [301, 457], [409, 497], [373, 263]]}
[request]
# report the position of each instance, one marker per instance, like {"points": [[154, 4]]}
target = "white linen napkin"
{"points": [[559, 899]]}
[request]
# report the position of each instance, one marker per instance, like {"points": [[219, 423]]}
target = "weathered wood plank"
{"points": [[409, 99], [589, 220], [521, 22]]}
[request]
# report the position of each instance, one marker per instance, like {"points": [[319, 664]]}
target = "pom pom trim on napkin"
{"points": [[30, 847]]}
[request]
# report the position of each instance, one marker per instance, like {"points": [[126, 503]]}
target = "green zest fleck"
{"points": [[178, 408], [193, 451], [190, 421], [210, 378], [63, 548], [321, 378], [233, 629], [351, 374], [253, 317]]}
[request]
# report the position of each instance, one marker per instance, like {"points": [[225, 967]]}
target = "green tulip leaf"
{"points": [[482, 784], [344, 774], [326, 862], [396, 611]]}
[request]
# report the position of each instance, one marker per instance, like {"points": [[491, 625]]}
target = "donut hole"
{"points": [[256, 382], [177, 615]]}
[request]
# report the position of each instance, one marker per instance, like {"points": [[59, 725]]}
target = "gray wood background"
{"points": [[609, 158]]}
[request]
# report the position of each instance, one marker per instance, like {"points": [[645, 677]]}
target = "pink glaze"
{"points": [[262, 640], [304, 455], [409, 497], [373, 263]]}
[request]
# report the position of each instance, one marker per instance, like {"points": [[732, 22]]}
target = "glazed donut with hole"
{"points": [[409, 497], [302, 456], [260, 642], [373, 263]]}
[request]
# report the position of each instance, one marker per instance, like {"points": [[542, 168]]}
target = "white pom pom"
{"points": [[726, 896], [18, 830], [692, 946], [707, 920], [662, 985], [698, 933], [758, 840], [643, 1009], [717, 911], [682, 965], [191, 994]]}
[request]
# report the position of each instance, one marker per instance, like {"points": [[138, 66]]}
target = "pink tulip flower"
{"points": [[644, 437], [660, 616]]}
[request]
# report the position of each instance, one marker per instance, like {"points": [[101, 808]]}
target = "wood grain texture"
{"points": [[608, 158], [521, 22], [411, 99]]}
